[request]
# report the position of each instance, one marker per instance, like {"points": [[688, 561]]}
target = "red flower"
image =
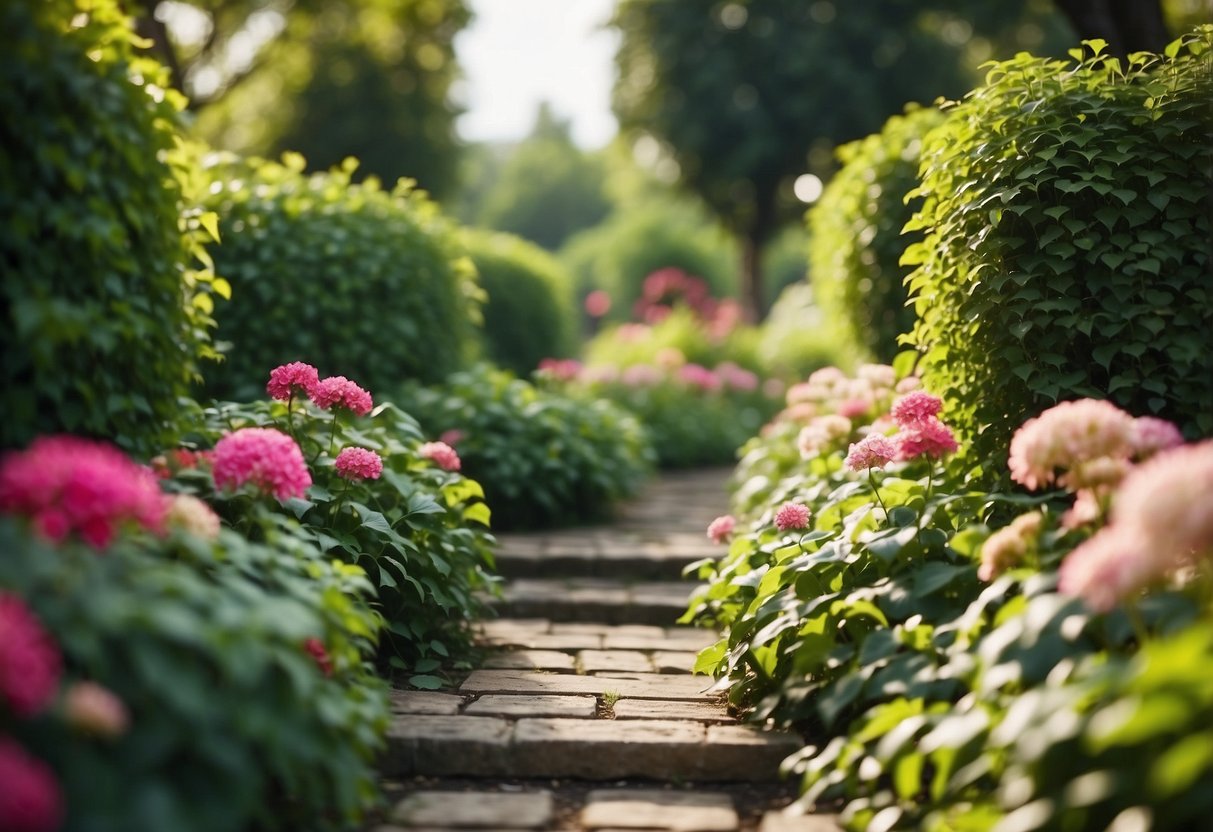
{"points": [[29, 660], [315, 647]]}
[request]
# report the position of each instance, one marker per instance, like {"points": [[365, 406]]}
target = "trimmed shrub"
{"points": [[544, 458], [349, 277], [103, 315], [529, 312], [1067, 220], [855, 233], [797, 338]]}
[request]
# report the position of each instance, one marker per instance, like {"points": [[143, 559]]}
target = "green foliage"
{"points": [[637, 240], [797, 338], [204, 643], [856, 239], [547, 188], [347, 277], [544, 458], [419, 532], [529, 313], [1066, 250], [104, 311]]}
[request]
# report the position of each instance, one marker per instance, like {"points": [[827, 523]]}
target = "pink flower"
{"points": [[189, 514], [267, 458], [597, 303], [854, 407], [30, 800], [1007, 546], [879, 375], [698, 376], [339, 391], [914, 408], [289, 379], [873, 451], [66, 484], [1151, 435], [720, 528], [931, 438], [641, 375], [93, 709], [1087, 509], [315, 648], [670, 358], [359, 464], [822, 433], [792, 516], [736, 378], [908, 384], [442, 454], [1107, 568], [452, 437], [29, 660], [560, 369], [1169, 497], [1067, 435]]}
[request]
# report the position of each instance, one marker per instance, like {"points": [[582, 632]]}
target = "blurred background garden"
{"points": [[363, 280]]}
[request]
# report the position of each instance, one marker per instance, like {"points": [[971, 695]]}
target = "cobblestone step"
{"points": [[600, 600], [599, 553]]}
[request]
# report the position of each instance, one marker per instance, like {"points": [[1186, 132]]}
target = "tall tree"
{"points": [[1127, 25], [746, 94]]}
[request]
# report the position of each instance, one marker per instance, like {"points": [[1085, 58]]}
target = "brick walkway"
{"points": [[584, 714]]}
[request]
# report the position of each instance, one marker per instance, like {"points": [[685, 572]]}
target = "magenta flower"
{"points": [[699, 376], [1151, 435], [29, 660], [290, 379], [267, 458], [95, 710], [30, 800], [359, 464], [915, 407], [930, 438], [442, 454], [873, 451], [452, 437], [65, 484], [792, 516], [339, 391], [1066, 436], [720, 528], [314, 647]]}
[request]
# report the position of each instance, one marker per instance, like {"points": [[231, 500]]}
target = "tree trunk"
{"points": [[149, 28], [751, 289], [1127, 25]]}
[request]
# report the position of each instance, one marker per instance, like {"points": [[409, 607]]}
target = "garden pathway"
{"points": [[583, 714]]}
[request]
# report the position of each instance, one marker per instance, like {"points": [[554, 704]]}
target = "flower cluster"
{"points": [[442, 454], [873, 451], [68, 485], [1008, 546], [922, 433], [560, 369], [720, 528], [30, 800], [168, 464], [792, 516], [288, 380], [1068, 438], [1161, 521], [29, 659], [188, 514], [359, 464], [822, 434], [339, 391], [94, 710], [267, 458]]}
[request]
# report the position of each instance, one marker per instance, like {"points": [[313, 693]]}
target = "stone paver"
{"points": [[634, 685], [780, 822], [674, 661], [621, 660], [425, 702], [475, 810], [663, 709], [451, 745], [652, 809], [607, 749], [523, 705], [529, 660]]}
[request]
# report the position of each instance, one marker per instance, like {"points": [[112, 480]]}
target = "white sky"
{"points": [[517, 53]]}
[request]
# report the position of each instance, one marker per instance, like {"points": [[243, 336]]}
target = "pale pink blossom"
{"points": [[288, 380], [908, 385], [822, 434], [773, 388], [30, 800], [1100, 474], [1151, 435], [827, 376], [873, 451], [737, 378], [600, 374], [1088, 508], [700, 377], [189, 514], [1170, 498], [930, 438], [264, 457], [720, 528], [93, 709], [670, 358], [1007, 546], [799, 412], [358, 464], [1067, 435], [560, 369], [67, 485], [792, 516], [442, 454], [1108, 568], [915, 408], [597, 303], [452, 437], [339, 391], [30, 663], [801, 393], [641, 375], [853, 408], [880, 375]]}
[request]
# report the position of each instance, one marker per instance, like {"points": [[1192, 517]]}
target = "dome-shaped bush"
{"points": [[98, 329], [348, 277], [1067, 220], [528, 315], [856, 239]]}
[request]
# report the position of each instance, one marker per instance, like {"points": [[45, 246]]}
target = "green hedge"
{"points": [[856, 239], [1067, 221], [98, 326], [529, 313], [348, 277]]}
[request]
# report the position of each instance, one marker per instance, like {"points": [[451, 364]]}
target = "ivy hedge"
{"points": [[1066, 252]]}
